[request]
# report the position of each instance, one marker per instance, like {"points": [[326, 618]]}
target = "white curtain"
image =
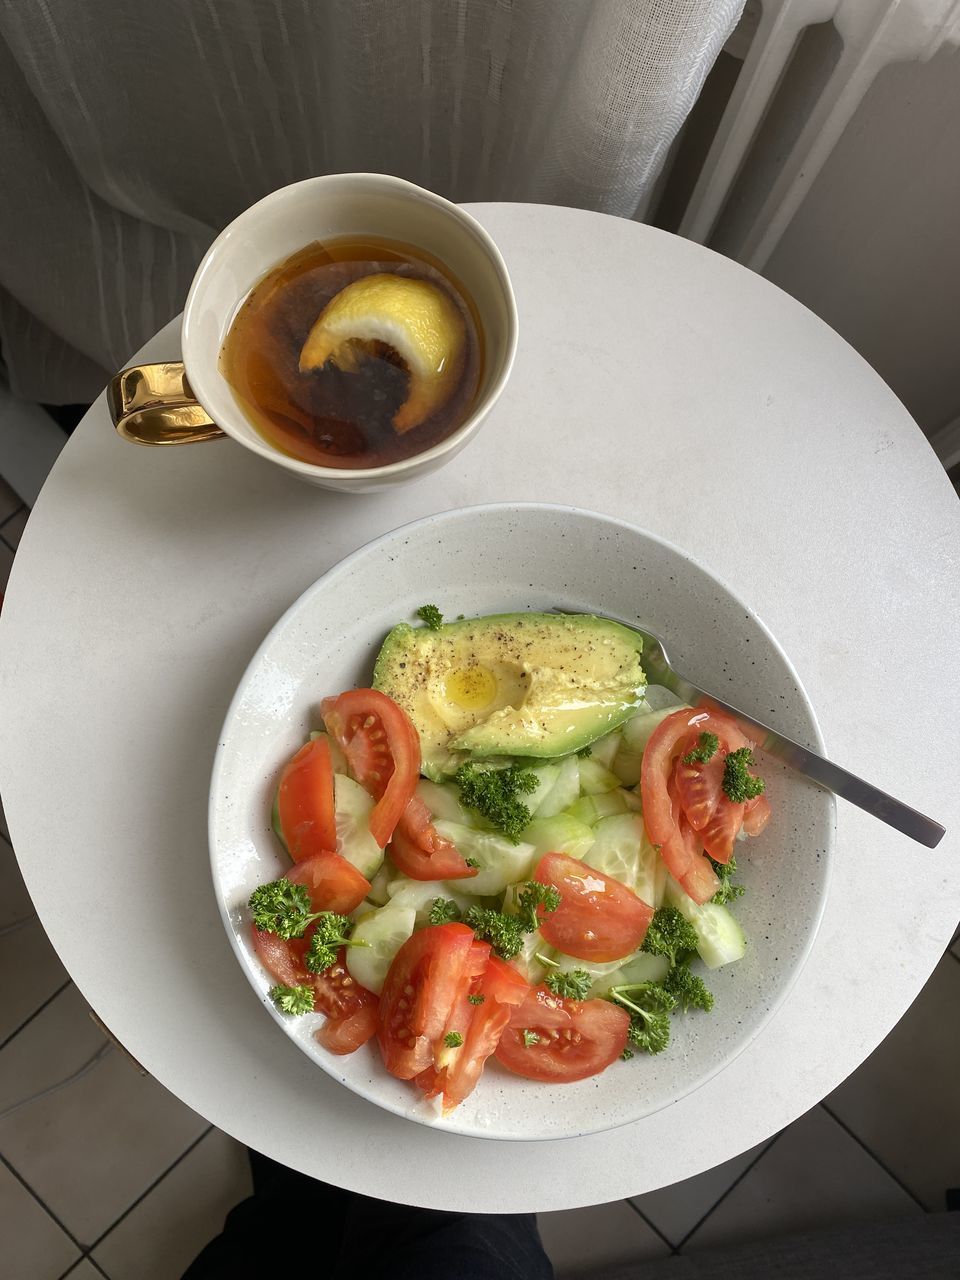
{"points": [[131, 131]]}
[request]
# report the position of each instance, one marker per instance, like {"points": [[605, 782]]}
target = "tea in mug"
{"points": [[355, 353]]}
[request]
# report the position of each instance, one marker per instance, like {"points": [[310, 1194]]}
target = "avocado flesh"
{"points": [[514, 684]]}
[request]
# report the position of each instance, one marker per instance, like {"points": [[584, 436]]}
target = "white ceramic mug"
{"points": [[175, 403]]}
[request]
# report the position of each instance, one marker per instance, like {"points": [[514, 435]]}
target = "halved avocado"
{"points": [[512, 684]]}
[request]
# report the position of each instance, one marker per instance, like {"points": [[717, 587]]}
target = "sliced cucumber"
{"points": [[616, 849], [622, 850], [651, 872], [275, 819], [597, 969], [638, 731], [640, 967], [526, 960], [595, 780], [444, 802], [627, 765], [354, 841], [631, 799], [546, 776], [420, 895], [379, 891], [559, 834], [720, 940], [604, 750], [591, 809], [385, 931], [564, 792], [500, 862]]}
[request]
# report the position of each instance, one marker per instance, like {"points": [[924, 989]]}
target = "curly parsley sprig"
{"points": [[292, 1000], [496, 795], [705, 749], [283, 908], [506, 932], [728, 890], [431, 615], [331, 933], [649, 1006], [738, 784], [571, 984]]}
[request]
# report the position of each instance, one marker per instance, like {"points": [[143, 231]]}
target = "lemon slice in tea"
{"points": [[414, 317]]}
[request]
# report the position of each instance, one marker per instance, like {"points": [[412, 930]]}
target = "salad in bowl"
{"points": [[490, 811], [508, 850]]}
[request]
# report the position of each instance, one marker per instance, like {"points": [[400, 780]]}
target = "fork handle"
{"points": [[824, 772]]}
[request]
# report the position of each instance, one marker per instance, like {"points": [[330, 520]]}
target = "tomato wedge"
{"points": [[720, 834], [334, 884], [699, 785], [305, 801], [424, 980], [382, 749], [559, 1041], [657, 769], [420, 852], [598, 917], [701, 882], [756, 815], [351, 1010], [283, 960], [497, 991]]}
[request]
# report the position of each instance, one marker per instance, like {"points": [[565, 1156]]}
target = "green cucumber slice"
{"points": [[501, 863], [385, 931], [354, 842]]}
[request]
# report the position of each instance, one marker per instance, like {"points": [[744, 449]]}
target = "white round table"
{"points": [[656, 382]]}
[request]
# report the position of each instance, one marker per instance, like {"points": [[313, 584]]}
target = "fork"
{"points": [[813, 766]]}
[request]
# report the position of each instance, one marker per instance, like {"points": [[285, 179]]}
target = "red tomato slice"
{"points": [[598, 917], [382, 750], [701, 882], [699, 785], [575, 1038], [656, 768], [344, 1035], [420, 852], [690, 839], [283, 960], [305, 801], [351, 1010], [425, 978], [720, 834], [432, 1080], [456, 1071], [502, 983], [334, 884], [756, 815]]}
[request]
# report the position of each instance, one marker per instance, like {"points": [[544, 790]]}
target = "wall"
{"points": [[875, 248]]}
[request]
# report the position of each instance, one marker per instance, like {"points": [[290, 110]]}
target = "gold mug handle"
{"points": [[153, 404]]}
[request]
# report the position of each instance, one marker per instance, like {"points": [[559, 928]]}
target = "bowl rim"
{"points": [[449, 1124], [208, 393]]}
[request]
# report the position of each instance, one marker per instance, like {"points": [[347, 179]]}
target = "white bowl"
{"points": [[513, 557]]}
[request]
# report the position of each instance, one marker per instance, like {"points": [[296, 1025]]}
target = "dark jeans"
{"points": [[338, 1235]]}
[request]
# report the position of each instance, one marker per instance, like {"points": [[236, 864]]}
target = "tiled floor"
{"points": [[112, 1176]]}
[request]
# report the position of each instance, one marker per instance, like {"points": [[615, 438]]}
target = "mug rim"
{"points": [[416, 460]]}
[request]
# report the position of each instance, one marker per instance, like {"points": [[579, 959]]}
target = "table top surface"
{"points": [[656, 382]]}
